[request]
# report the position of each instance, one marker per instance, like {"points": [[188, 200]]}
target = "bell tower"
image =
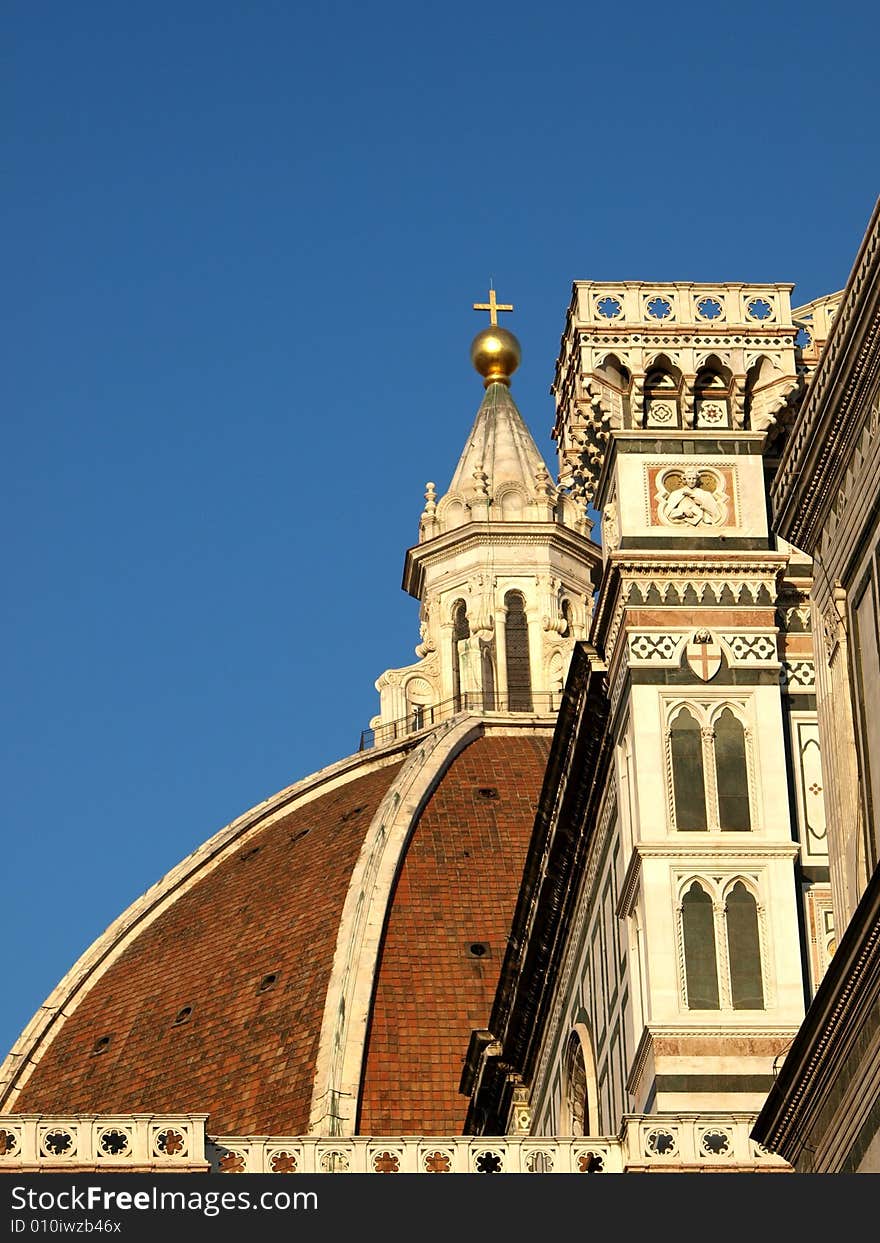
{"points": [[503, 568], [670, 399]]}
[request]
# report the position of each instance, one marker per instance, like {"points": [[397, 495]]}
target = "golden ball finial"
{"points": [[496, 354]]}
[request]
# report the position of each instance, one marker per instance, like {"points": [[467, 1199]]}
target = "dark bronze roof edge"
{"points": [[849, 987]]}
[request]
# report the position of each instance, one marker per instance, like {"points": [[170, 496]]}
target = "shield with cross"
{"points": [[703, 655]]}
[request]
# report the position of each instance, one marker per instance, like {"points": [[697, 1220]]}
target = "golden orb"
{"points": [[496, 354]]}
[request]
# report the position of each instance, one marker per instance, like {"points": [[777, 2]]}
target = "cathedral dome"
{"points": [[318, 965]]}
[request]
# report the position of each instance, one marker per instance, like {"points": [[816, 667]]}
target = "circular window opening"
{"points": [[478, 949], [102, 1044], [183, 1016], [268, 981], [709, 308], [608, 308], [759, 308], [659, 308]]}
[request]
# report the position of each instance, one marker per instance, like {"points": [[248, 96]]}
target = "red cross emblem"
{"points": [[703, 656]]}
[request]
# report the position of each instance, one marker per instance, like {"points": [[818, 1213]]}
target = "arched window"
{"points": [[617, 380], [744, 949], [487, 670], [712, 394], [516, 641], [700, 962], [731, 773], [662, 397], [460, 631], [576, 1105], [687, 771]]}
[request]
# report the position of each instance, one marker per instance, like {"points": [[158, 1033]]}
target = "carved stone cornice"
{"points": [[624, 569], [745, 847], [831, 416], [495, 535]]}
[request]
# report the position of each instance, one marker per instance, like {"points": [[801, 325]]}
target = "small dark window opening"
{"points": [[268, 981], [249, 854], [101, 1045], [487, 792], [478, 949], [295, 837], [183, 1016]]}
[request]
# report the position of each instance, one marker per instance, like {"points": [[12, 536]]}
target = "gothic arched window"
{"points": [[731, 773], [576, 1087], [662, 397], [689, 787], [516, 642], [744, 949], [712, 393], [700, 962]]}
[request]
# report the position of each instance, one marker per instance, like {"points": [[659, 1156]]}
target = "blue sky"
{"points": [[241, 245]]}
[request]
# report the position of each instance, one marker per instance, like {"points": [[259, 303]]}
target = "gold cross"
{"points": [[493, 307]]}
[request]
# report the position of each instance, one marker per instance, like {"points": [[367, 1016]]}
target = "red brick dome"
{"points": [[224, 990]]}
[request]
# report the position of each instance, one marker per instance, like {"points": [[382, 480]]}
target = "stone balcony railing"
{"points": [[413, 1155], [144, 1142], [524, 704], [671, 1142], [177, 1142]]}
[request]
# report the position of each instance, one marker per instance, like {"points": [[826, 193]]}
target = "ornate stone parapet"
{"points": [[685, 1142], [670, 357], [152, 1143], [408, 1154], [134, 1142]]}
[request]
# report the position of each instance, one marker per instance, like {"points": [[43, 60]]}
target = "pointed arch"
{"points": [[743, 948], [700, 958], [713, 393], [688, 775], [580, 1108], [731, 772], [766, 391], [614, 371], [662, 392]]}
